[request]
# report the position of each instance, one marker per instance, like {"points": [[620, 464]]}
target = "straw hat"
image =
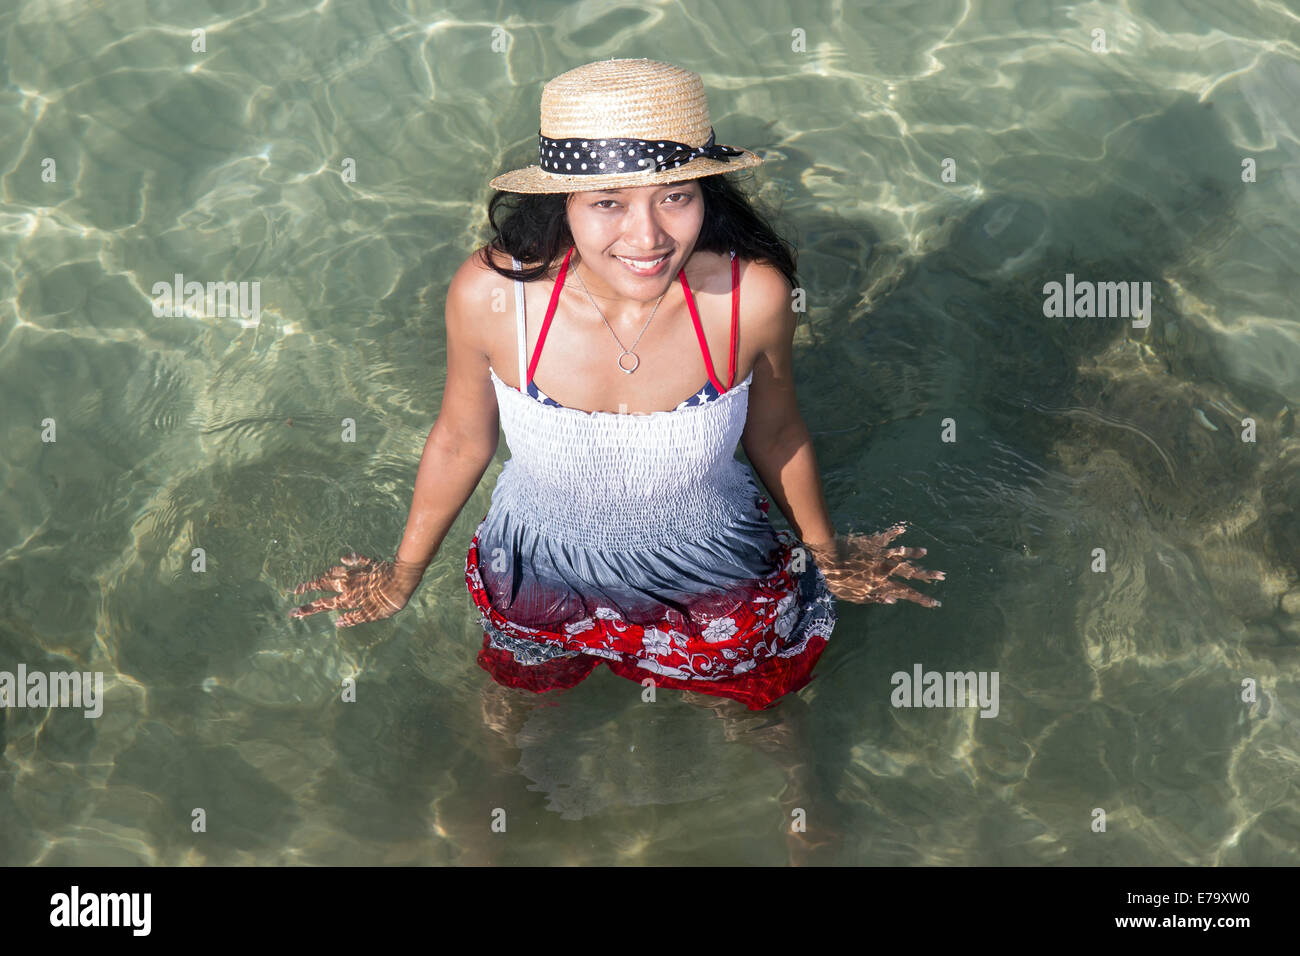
{"points": [[619, 123]]}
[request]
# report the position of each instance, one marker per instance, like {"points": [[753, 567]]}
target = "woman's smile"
{"points": [[643, 268]]}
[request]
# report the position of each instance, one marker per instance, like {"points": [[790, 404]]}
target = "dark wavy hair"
{"points": [[535, 228]]}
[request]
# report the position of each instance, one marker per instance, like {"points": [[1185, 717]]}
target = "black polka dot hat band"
{"points": [[623, 123], [592, 157]]}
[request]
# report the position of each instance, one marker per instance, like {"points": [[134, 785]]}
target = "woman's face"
{"points": [[643, 223]]}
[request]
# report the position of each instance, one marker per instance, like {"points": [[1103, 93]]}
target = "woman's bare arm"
{"points": [[858, 568], [463, 440], [776, 439], [457, 452]]}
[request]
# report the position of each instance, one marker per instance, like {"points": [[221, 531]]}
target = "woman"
{"points": [[623, 530]]}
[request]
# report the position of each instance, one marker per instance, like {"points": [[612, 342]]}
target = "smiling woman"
{"points": [[608, 233], [631, 538], [538, 227]]}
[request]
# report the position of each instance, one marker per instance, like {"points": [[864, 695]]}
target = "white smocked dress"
{"points": [[641, 542]]}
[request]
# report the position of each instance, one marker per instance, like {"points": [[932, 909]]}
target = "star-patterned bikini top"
{"points": [[708, 392]]}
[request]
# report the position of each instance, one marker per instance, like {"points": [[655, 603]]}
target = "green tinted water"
{"points": [[1119, 690]]}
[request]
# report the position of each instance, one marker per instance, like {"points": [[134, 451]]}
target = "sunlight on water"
{"points": [[1116, 552]]}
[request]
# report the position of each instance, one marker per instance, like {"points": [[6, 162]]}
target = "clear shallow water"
{"points": [[1118, 690]]}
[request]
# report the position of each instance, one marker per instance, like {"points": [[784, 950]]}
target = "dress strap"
{"points": [[735, 324], [546, 323], [735, 317], [521, 329]]}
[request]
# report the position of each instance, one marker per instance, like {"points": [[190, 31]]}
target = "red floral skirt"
{"points": [[761, 649]]}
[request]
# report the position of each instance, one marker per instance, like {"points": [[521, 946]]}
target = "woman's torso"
{"points": [[625, 480]]}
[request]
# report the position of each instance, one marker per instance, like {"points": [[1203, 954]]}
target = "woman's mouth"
{"points": [[644, 267]]}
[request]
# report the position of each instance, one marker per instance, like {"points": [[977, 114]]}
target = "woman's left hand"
{"points": [[858, 568]]}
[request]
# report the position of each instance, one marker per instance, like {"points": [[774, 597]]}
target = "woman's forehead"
{"points": [[633, 190]]}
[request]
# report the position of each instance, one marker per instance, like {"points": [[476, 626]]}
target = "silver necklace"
{"points": [[635, 361]]}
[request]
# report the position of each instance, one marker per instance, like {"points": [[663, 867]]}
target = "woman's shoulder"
{"points": [[758, 277], [479, 266], [499, 257], [473, 290], [480, 262], [475, 278], [767, 305], [762, 274]]}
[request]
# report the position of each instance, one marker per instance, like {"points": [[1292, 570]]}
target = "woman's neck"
{"points": [[619, 309]]}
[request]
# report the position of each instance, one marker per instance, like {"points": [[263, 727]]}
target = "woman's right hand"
{"points": [[371, 589]]}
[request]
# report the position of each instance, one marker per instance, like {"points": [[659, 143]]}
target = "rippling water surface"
{"points": [[1119, 689]]}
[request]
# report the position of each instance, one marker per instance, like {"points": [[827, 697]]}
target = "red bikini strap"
{"points": [[735, 323], [546, 323]]}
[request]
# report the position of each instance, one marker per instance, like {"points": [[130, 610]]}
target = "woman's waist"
{"points": [[628, 514], [621, 480]]}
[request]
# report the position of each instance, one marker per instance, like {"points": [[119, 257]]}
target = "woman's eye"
{"points": [[683, 196]]}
